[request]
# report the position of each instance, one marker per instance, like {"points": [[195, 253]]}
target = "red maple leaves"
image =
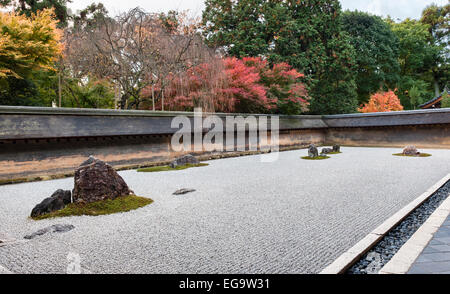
{"points": [[230, 84]]}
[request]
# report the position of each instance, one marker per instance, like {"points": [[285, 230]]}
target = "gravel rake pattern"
{"points": [[247, 216]]}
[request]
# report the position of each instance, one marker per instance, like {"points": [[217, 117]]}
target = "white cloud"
{"points": [[374, 7], [395, 8], [116, 6]]}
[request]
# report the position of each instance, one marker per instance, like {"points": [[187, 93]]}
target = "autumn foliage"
{"points": [[382, 102], [245, 85], [28, 44]]}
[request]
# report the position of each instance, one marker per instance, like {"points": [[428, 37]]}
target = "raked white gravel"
{"points": [[246, 216]]}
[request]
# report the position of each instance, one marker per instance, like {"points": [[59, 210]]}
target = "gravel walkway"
{"points": [[246, 216]]}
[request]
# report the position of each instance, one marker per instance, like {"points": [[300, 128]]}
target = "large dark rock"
{"points": [[183, 160], [96, 180], [57, 201], [312, 151], [411, 151]]}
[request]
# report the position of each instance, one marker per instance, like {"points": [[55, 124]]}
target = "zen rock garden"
{"points": [[233, 207]]}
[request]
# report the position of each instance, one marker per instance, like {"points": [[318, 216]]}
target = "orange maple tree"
{"points": [[382, 102]]}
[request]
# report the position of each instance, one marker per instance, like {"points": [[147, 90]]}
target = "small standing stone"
{"points": [[312, 151], [336, 148]]}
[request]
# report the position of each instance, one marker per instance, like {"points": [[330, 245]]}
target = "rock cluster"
{"points": [[313, 152], [96, 180], [411, 151], [183, 160], [57, 201]]}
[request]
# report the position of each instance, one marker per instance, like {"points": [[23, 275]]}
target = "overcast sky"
{"points": [[400, 9]]}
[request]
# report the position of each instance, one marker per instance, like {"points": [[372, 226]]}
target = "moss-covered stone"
{"points": [[168, 168], [315, 158], [120, 204], [420, 155]]}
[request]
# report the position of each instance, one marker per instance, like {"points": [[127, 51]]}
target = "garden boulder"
{"points": [[57, 201], [96, 180], [410, 151], [183, 160], [312, 151], [326, 151]]}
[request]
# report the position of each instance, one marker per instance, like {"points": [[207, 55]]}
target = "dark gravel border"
{"points": [[386, 248]]}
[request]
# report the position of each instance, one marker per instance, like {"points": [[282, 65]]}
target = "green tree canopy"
{"points": [[377, 52], [305, 34], [238, 27], [438, 20], [417, 57]]}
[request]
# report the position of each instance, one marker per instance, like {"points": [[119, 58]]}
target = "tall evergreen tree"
{"points": [[306, 34], [417, 57], [438, 20], [377, 52]]}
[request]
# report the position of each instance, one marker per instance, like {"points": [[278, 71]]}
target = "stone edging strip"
{"points": [[402, 261], [348, 258]]}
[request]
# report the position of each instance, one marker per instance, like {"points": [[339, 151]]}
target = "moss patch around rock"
{"points": [[421, 155], [168, 168], [315, 158], [120, 204]]}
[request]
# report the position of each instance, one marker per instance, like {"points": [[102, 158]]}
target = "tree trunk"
{"points": [[117, 97], [162, 99], [153, 97], [437, 92], [59, 88]]}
